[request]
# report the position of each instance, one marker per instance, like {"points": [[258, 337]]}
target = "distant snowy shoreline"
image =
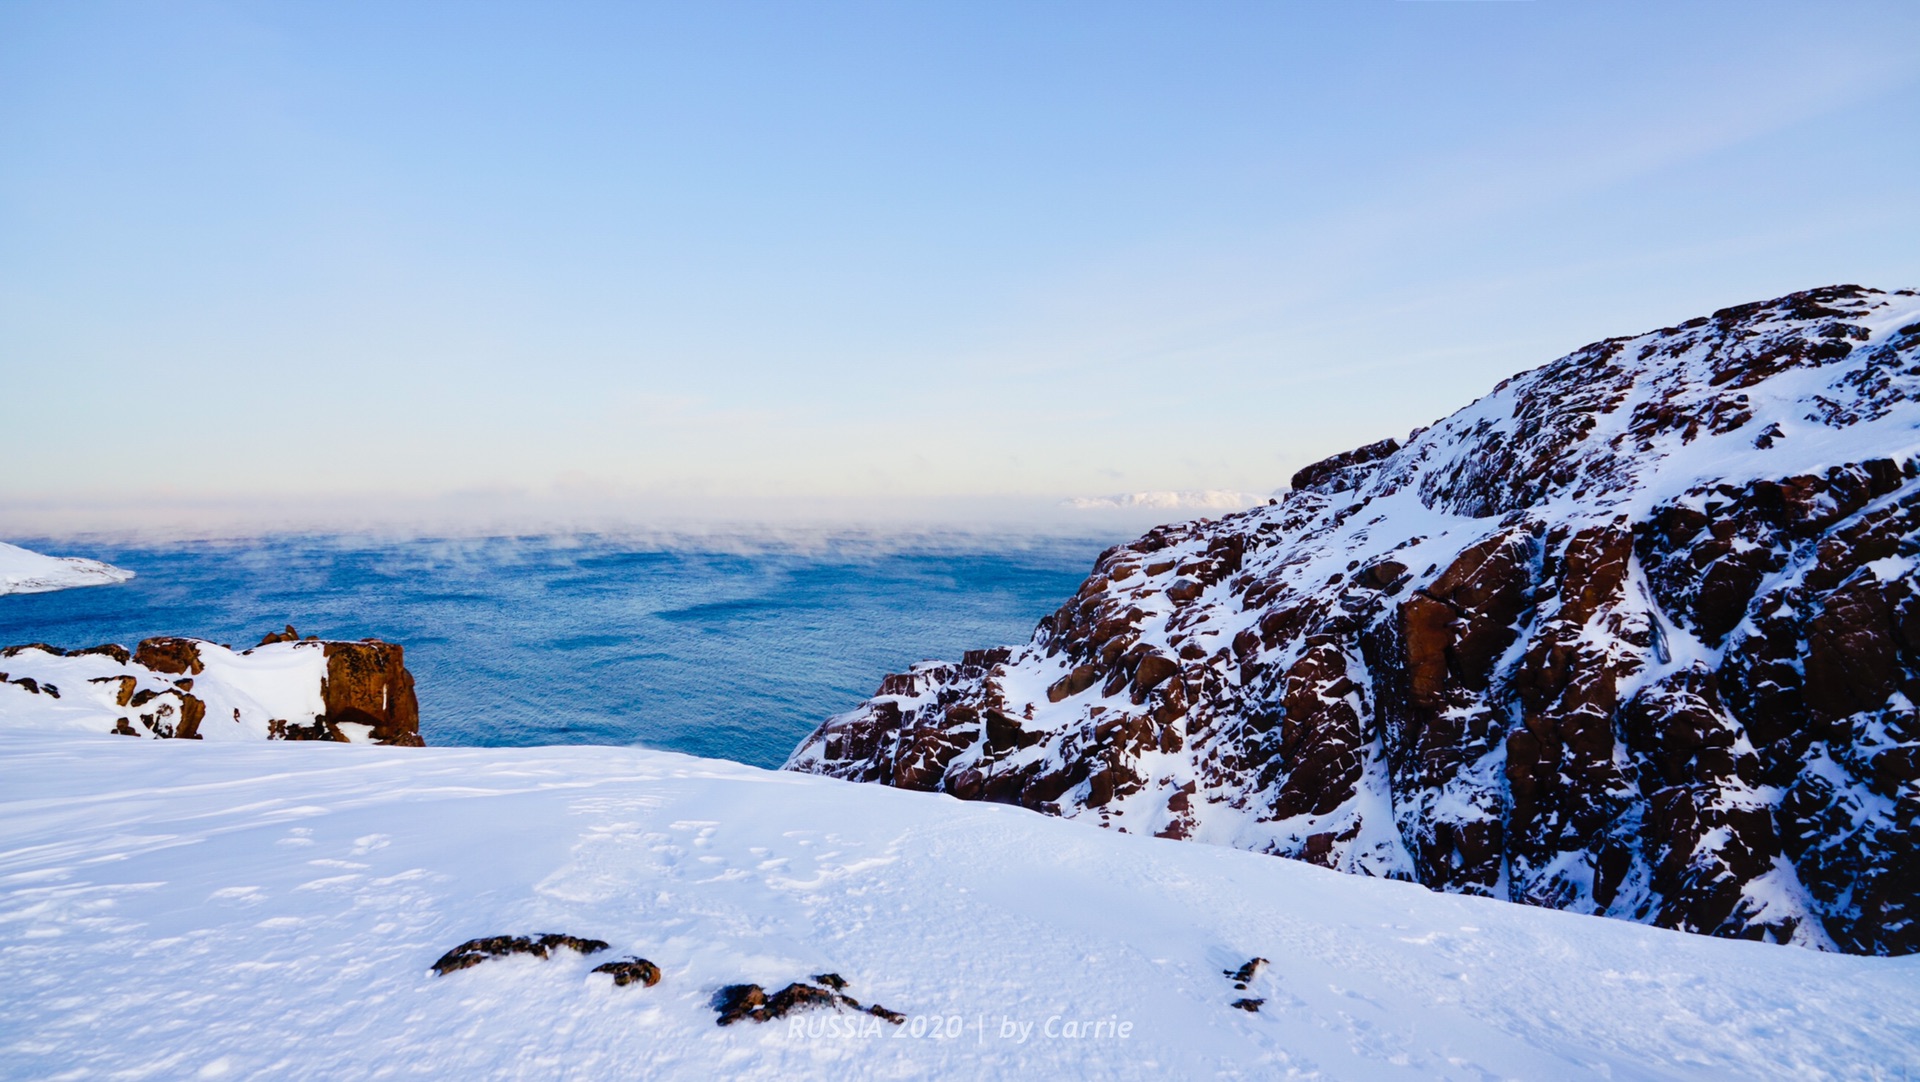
{"points": [[26, 572], [1212, 499]]}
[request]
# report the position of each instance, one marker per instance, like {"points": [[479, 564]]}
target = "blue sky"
{"points": [[732, 256]]}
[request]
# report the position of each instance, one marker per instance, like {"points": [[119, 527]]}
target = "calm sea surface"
{"points": [[587, 640]]}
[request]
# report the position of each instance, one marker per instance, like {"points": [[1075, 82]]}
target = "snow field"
{"points": [[184, 909]]}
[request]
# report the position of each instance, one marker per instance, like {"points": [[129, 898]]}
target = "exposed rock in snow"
{"points": [[284, 689], [1636, 634], [194, 910], [1212, 499], [25, 572], [474, 951]]}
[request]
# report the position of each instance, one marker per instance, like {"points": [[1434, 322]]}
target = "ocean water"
{"points": [[731, 650]]}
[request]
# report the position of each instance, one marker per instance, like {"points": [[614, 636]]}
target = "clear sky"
{"points": [[731, 256]]}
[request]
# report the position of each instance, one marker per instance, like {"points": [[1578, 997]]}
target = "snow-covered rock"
{"points": [[284, 689], [197, 910], [1636, 634], [26, 572]]}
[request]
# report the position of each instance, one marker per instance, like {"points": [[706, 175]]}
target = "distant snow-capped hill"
{"points": [[26, 572], [1212, 499], [1636, 634]]}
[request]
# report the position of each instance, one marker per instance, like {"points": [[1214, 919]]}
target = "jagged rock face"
{"points": [[1637, 634], [368, 683]]}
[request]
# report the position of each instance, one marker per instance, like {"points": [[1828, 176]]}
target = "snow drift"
{"points": [[1636, 634]]}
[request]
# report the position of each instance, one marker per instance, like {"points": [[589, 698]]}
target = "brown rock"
{"points": [[1154, 670], [367, 683], [1080, 679], [631, 971], [474, 951], [173, 656], [1427, 625]]}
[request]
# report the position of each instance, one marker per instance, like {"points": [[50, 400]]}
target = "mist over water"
{"points": [[733, 650]]}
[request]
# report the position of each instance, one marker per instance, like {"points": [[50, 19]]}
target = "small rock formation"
{"points": [[175, 657], [750, 1002], [1244, 975], [1637, 634], [368, 684], [1251, 1006], [474, 951], [181, 688], [634, 970]]}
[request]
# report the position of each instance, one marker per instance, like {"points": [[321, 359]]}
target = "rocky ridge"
{"points": [[1636, 634], [286, 688]]}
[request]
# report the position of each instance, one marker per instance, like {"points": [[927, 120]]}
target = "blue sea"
{"points": [[718, 649]]}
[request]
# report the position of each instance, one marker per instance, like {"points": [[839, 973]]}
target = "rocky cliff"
{"points": [[286, 688], [1636, 634]]}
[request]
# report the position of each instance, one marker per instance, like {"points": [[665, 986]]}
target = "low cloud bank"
{"points": [[785, 521]]}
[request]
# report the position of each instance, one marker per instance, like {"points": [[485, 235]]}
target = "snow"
{"points": [[25, 572], [244, 691], [176, 909]]}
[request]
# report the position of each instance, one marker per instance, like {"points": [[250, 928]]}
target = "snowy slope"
{"points": [[1637, 633], [187, 910], [25, 572]]}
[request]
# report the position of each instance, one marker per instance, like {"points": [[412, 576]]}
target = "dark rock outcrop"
{"points": [[631, 971], [169, 655], [752, 1003], [474, 951], [1637, 634]]}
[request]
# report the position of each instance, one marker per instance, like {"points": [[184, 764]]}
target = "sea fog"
{"points": [[731, 646]]}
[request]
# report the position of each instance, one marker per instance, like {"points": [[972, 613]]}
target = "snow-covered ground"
{"points": [[26, 572], [179, 909]]}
